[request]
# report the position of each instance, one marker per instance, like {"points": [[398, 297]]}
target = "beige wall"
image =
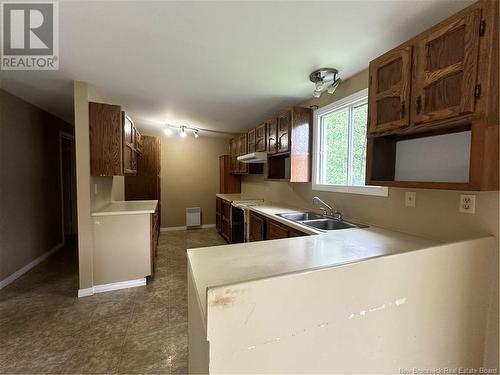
{"points": [[30, 184], [92, 192], [189, 177], [435, 216]]}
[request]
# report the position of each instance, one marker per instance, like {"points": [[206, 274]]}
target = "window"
{"points": [[340, 147]]}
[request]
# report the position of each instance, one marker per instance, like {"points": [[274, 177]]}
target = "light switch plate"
{"points": [[467, 204], [410, 197]]}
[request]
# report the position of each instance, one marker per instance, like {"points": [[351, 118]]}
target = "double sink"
{"points": [[318, 221]]}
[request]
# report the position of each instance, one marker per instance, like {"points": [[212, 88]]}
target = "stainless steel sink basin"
{"points": [[318, 221], [328, 224], [301, 216]]}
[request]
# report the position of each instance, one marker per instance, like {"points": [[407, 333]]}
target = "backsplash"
{"points": [[435, 216]]}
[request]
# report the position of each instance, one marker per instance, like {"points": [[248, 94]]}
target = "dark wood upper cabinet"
{"points": [[106, 139], [389, 90], [272, 136], [454, 88], [445, 69], [233, 152], [242, 150], [139, 142], [293, 161], [228, 182], [251, 141], [115, 142], [129, 146], [283, 138], [260, 138]]}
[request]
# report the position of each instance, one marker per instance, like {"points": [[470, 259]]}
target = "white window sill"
{"points": [[380, 191]]}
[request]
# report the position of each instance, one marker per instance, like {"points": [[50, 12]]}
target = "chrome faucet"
{"points": [[325, 208]]}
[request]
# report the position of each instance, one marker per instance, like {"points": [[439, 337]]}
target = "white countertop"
{"points": [[237, 197], [231, 264], [271, 211], [127, 208]]}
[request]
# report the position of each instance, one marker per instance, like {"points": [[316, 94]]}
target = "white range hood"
{"points": [[254, 157]]}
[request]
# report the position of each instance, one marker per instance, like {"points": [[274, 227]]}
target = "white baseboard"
{"points": [[171, 229], [29, 266], [109, 287], [85, 292]]}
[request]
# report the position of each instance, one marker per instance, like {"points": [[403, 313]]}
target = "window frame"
{"points": [[318, 114]]}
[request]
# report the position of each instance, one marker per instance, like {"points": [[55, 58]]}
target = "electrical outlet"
{"points": [[410, 197], [467, 204]]}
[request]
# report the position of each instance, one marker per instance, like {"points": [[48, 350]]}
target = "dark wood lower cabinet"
{"points": [[262, 228], [257, 227], [295, 233], [223, 218], [275, 230]]}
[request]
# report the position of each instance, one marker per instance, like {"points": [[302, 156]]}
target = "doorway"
{"points": [[68, 188]]}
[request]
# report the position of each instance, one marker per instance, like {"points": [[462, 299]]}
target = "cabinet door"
{"points": [[272, 134], [226, 220], [295, 233], [218, 215], [233, 147], [445, 70], [260, 138], [257, 227], [106, 139], [251, 141], [284, 123], [275, 230], [129, 146], [242, 150], [139, 141], [389, 91]]}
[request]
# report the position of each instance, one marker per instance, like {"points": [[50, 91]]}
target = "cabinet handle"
{"points": [[419, 104], [403, 109]]}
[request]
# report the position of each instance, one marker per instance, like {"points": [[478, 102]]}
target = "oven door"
{"points": [[237, 225]]}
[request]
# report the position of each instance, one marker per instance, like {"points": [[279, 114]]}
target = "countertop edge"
{"points": [[107, 210], [286, 222]]}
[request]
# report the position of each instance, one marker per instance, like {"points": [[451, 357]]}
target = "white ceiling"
{"points": [[217, 65]]}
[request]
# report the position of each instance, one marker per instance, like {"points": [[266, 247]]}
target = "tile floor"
{"points": [[45, 329]]}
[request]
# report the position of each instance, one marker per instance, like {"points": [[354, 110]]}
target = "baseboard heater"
{"points": [[193, 217]]}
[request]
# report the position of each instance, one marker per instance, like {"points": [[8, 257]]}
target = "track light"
{"points": [[324, 79], [331, 89], [184, 130]]}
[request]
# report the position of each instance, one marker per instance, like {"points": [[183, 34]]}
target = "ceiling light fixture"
{"points": [[325, 79], [184, 131]]}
